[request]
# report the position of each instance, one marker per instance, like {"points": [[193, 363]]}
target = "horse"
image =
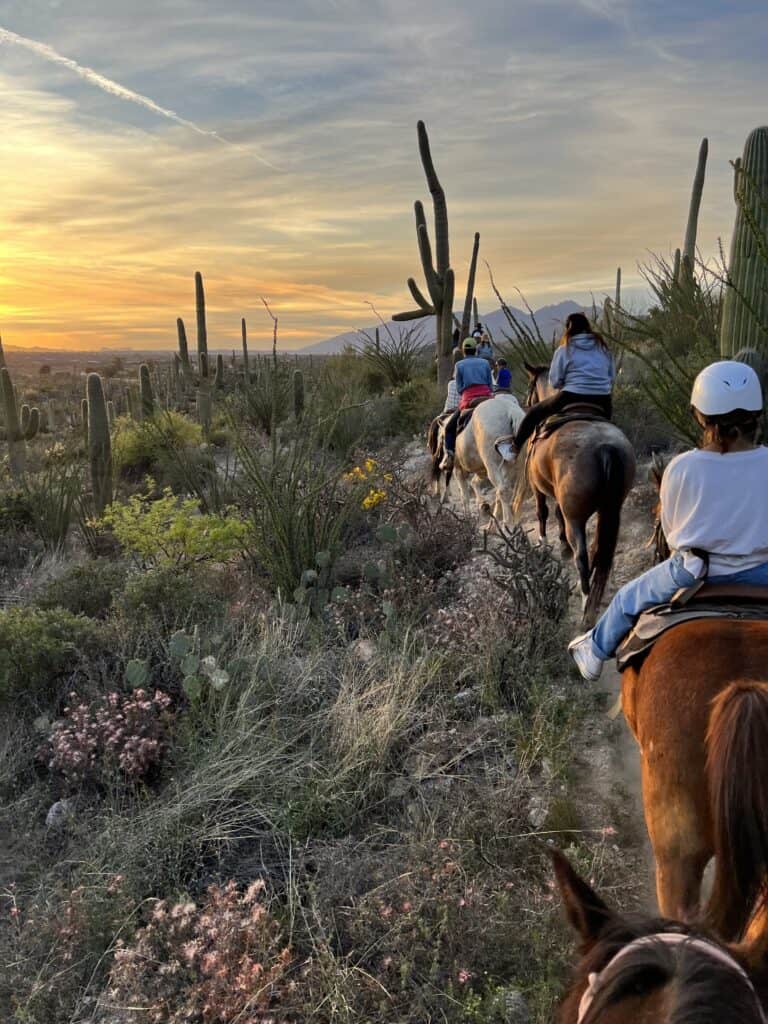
{"points": [[588, 467], [477, 463], [641, 970], [672, 701]]}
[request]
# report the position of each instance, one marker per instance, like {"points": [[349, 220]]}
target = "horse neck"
{"points": [[543, 388]]}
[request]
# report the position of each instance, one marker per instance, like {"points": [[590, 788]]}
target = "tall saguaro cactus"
{"points": [[246, 364], [99, 443], [145, 392], [204, 387], [688, 261], [186, 368], [17, 451], [744, 321], [466, 318], [438, 274]]}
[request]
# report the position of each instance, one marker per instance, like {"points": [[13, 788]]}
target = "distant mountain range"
{"points": [[550, 320]]}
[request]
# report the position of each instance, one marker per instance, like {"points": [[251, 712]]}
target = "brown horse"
{"points": [[698, 708], [588, 468], [636, 970]]}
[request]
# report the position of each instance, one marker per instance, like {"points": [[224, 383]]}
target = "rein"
{"points": [[673, 940]]}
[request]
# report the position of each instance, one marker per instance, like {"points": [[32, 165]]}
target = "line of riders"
{"points": [[713, 498]]}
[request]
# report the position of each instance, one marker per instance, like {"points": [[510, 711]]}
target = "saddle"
{"points": [[703, 600], [581, 412]]}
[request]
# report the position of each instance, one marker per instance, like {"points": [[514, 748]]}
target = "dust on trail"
{"points": [[605, 783]]}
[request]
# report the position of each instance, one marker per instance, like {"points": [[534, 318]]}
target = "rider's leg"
{"points": [[449, 439], [536, 415], [655, 586]]}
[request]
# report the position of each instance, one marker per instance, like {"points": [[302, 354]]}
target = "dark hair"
{"points": [[501, 361], [731, 426], [577, 323]]}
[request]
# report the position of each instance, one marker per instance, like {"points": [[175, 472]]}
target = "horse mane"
{"points": [[700, 990]]}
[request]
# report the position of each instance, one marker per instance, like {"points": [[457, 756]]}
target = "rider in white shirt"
{"points": [[713, 503]]}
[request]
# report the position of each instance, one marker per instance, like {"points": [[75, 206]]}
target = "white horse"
{"points": [[479, 466]]}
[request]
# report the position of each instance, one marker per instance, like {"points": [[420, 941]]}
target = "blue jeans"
{"points": [[656, 586]]}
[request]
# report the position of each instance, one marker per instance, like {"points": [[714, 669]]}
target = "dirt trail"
{"points": [[605, 783]]}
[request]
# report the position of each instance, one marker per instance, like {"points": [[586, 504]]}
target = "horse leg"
{"points": [[577, 539], [543, 514], [463, 482], [565, 547], [679, 845]]}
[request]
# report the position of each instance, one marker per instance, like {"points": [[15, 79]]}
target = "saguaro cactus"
{"points": [[99, 443], [29, 422], [744, 321], [298, 394], [246, 364], [218, 380], [2, 355], [688, 261], [466, 318], [186, 367], [17, 451], [147, 397], [438, 274], [204, 387]]}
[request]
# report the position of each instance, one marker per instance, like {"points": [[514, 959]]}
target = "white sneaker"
{"points": [[583, 653], [506, 451]]}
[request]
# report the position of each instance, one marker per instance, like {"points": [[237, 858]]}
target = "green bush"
{"points": [[136, 447], [86, 589], [41, 649], [164, 599]]}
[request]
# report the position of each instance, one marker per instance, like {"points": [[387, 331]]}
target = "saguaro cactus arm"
{"points": [[466, 318], [202, 327], [689, 245], [438, 201]]}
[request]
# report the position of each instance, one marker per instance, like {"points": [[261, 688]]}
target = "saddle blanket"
{"points": [[655, 622]]}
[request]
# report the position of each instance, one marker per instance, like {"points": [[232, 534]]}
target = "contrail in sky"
{"points": [[107, 85]]}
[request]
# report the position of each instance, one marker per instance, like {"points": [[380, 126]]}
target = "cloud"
{"points": [[100, 81]]}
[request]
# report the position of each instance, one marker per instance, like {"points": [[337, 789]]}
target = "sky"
{"points": [[272, 146]]}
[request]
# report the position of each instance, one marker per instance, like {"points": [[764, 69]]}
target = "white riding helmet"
{"points": [[723, 387]]}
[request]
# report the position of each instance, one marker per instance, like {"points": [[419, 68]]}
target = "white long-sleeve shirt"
{"points": [[452, 398], [718, 503]]}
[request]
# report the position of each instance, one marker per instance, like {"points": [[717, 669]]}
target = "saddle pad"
{"points": [[656, 621]]}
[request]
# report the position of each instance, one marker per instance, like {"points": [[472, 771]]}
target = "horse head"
{"points": [[641, 968], [538, 384], [658, 541]]}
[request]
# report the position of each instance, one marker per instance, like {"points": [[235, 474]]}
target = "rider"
{"points": [[484, 347], [473, 381], [452, 397], [713, 502], [582, 371], [502, 377]]}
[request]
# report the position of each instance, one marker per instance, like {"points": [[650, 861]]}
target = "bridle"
{"points": [[673, 940]]}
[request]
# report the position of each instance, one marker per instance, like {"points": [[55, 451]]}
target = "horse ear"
{"points": [[586, 912], [532, 371]]}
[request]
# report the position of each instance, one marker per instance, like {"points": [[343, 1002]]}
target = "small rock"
{"points": [[509, 1005], [538, 810], [364, 650], [464, 697], [59, 813]]}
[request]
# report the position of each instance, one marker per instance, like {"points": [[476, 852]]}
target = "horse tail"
{"points": [[737, 774], [433, 446], [612, 485]]}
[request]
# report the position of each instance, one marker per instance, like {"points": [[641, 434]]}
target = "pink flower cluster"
{"points": [[120, 733], [212, 964]]}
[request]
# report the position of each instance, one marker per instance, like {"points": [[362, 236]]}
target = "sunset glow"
{"points": [[566, 133]]}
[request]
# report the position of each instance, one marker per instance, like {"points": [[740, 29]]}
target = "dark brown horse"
{"points": [[588, 467], [638, 970]]}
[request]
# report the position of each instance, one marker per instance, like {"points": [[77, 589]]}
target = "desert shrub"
{"points": [[396, 357], [41, 650], [266, 397], [641, 421], [222, 961], [114, 737], [14, 511], [137, 447], [86, 589], [172, 531], [161, 600], [418, 402]]}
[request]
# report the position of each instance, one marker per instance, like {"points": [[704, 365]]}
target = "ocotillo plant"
{"points": [[688, 261], [438, 274], [147, 397], [467, 315], [298, 394], [99, 444], [744, 321]]}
